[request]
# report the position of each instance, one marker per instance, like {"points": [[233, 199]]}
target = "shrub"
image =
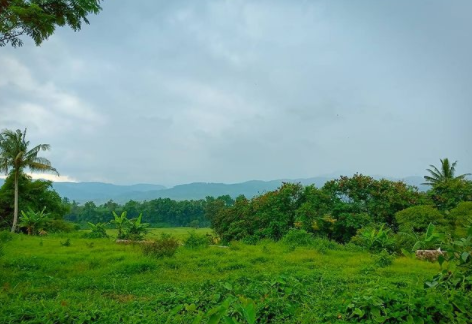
{"points": [[298, 237], [418, 218], [374, 239], [196, 241], [166, 246], [322, 245], [383, 259], [97, 231], [5, 236], [60, 226]]}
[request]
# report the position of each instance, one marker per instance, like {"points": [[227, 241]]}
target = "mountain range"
{"points": [[100, 192]]}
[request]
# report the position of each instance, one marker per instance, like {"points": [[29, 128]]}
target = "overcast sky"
{"points": [[174, 92]]}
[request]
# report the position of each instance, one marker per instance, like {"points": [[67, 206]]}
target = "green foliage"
{"points": [[296, 237], [162, 212], [383, 259], [135, 230], [16, 156], [38, 19], [35, 194], [418, 218], [60, 226], [196, 241], [460, 218], [166, 246], [375, 239], [386, 305], [96, 231], [447, 195], [33, 221], [458, 258], [121, 222]]}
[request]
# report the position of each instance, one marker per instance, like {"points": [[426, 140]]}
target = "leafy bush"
{"points": [[375, 239], [166, 246], [418, 218], [383, 259], [97, 231], [298, 237], [196, 241], [323, 245]]}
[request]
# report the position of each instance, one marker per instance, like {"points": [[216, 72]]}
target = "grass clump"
{"points": [[166, 246]]}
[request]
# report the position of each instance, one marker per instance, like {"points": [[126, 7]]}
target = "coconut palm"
{"points": [[444, 174], [15, 156]]}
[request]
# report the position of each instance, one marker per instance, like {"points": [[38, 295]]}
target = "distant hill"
{"points": [[100, 192], [200, 190]]}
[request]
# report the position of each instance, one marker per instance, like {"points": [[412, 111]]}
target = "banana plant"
{"points": [[121, 223], [32, 220], [137, 229]]}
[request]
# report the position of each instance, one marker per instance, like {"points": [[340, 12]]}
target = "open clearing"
{"points": [[43, 281]]}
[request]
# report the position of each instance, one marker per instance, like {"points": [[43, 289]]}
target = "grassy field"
{"points": [[97, 280]]}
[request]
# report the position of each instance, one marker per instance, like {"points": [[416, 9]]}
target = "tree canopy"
{"points": [[38, 18]]}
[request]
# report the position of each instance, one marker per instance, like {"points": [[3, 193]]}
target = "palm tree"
{"points": [[15, 156], [445, 174]]}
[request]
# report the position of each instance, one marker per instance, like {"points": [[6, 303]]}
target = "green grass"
{"points": [[97, 280]]}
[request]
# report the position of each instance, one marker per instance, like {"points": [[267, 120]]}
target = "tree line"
{"points": [[343, 207]]}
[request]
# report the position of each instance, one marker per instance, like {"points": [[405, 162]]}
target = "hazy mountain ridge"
{"points": [[99, 192]]}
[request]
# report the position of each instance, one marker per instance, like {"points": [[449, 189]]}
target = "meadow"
{"points": [[65, 278]]}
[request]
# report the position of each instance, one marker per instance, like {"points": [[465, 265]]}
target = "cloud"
{"points": [[174, 92]]}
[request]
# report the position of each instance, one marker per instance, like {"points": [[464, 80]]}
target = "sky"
{"points": [[173, 92]]}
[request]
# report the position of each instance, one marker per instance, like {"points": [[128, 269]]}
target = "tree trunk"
{"points": [[15, 211]]}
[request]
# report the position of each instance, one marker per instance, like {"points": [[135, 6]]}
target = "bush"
{"points": [[60, 226], [6, 236], [375, 239], [461, 217], [322, 245], [418, 218], [97, 231], [383, 259], [166, 246], [196, 241], [298, 237]]}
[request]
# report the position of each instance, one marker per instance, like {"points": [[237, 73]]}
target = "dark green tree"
{"points": [[38, 18], [15, 156]]}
